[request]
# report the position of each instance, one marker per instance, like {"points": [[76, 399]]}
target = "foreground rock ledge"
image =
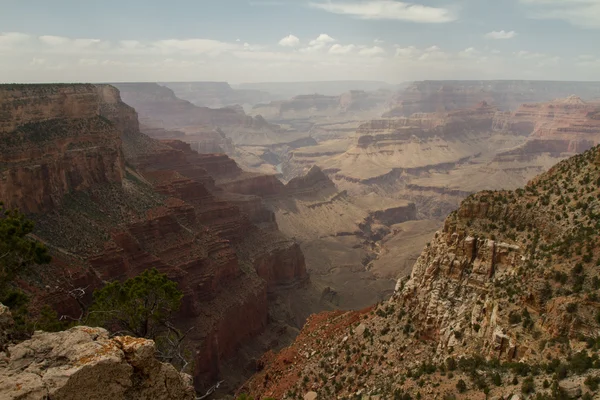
{"points": [[84, 363]]}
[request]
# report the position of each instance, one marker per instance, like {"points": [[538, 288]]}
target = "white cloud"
{"points": [[583, 13], [388, 9], [54, 40], [340, 49], [9, 40], [498, 35], [469, 52], [318, 44], [193, 46], [289, 41], [323, 38], [371, 51], [406, 51], [30, 58]]}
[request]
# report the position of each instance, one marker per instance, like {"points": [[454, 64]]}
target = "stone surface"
{"points": [[311, 396], [572, 389], [85, 363]]}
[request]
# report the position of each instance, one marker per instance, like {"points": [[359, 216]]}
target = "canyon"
{"points": [[266, 210], [110, 202], [374, 158]]}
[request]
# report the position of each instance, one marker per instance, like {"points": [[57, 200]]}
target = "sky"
{"points": [[298, 40]]}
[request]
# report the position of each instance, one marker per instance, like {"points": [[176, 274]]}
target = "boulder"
{"points": [[571, 389], [311, 396], [84, 363]]}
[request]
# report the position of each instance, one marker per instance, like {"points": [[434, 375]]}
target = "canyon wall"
{"points": [[54, 141], [111, 202]]}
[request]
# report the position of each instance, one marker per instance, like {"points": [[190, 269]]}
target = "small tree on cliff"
{"points": [[18, 252], [141, 306]]}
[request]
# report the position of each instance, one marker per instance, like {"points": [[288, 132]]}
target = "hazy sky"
{"points": [[298, 40]]}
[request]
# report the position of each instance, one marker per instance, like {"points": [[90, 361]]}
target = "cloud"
{"points": [[9, 40], [582, 13], [371, 51], [193, 46], [30, 58], [323, 38], [498, 35], [289, 41], [406, 51], [339, 49], [320, 43], [388, 9]]}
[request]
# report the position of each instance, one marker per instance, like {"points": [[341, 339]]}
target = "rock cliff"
{"points": [[503, 301], [54, 140], [86, 363], [116, 202]]}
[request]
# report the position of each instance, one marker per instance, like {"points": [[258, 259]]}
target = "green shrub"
{"points": [[461, 386]]}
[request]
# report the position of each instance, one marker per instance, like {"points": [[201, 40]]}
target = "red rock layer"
{"points": [[160, 209], [53, 142]]}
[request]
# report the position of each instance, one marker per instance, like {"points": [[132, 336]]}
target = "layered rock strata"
{"points": [[117, 202]]}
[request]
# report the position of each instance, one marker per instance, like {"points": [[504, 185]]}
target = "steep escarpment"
{"points": [[159, 207], [54, 140], [503, 301]]}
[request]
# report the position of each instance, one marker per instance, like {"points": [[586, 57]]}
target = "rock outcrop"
{"points": [[314, 182], [85, 363]]}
